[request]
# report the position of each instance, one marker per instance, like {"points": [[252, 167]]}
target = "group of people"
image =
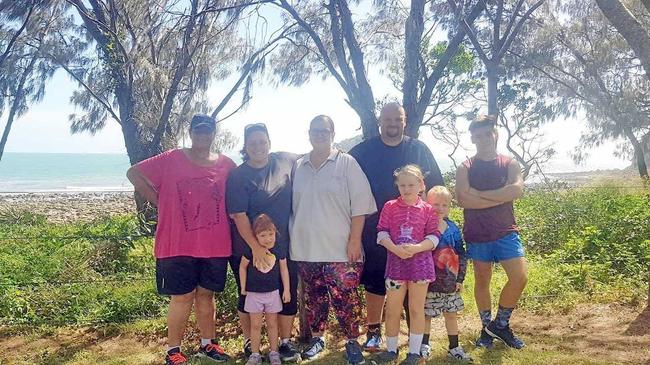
{"points": [[375, 217]]}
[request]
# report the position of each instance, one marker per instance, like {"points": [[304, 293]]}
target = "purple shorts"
{"points": [[269, 302]]}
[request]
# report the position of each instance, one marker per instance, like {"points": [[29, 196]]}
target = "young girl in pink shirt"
{"points": [[408, 228]]}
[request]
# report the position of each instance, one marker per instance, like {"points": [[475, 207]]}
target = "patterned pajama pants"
{"points": [[335, 283]]}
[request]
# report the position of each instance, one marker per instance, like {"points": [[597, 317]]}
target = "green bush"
{"points": [[583, 244]]}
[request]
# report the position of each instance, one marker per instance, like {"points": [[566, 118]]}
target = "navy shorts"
{"points": [[288, 309], [505, 248], [373, 276], [180, 275]]}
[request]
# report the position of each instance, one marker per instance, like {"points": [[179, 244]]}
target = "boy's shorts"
{"points": [[505, 248], [269, 302], [180, 275], [437, 303]]}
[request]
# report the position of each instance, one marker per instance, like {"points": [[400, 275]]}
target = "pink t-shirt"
{"points": [[192, 218]]}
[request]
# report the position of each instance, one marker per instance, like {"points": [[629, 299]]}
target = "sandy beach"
{"points": [[70, 207]]}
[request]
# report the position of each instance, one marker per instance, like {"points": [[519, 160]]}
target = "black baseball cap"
{"points": [[199, 120], [483, 121]]}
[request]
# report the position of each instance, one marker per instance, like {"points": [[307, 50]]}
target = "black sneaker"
{"points": [[485, 340], [353, 353], [289, 352], [411, 359], [505, 335], [387, 357], [214, 352], [248, 351], [175, 357], [316, 346]]}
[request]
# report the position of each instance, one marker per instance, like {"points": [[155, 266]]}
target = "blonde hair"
{"points": [[411, 169], [439, 190]]}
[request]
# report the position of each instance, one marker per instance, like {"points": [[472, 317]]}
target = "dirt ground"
{"points": [[589, 334]]}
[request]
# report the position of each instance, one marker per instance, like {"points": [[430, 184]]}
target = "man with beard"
{"points": [[379, 157]]}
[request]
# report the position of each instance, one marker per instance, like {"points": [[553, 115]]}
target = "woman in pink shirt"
{"points": [[193, 242]]}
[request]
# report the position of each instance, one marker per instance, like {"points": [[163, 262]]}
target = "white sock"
{"points": [[205, 341], [173, 347], [391, 343], [284, 340], [414, 343]]}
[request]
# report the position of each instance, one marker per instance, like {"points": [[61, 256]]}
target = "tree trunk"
{"points": [[639, 155], [18, 99], [493, 91], [413, 68], [637, 37]]}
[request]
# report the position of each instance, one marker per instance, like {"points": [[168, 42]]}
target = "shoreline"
{"points": [[69, 206]]}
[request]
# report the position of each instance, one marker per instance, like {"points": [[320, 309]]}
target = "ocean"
{"points": [[66, 172], [63, 172]]}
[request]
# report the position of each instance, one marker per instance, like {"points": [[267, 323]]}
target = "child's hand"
{"points": [[413, 248], [286, 296], [403, 253], [459, 287]]}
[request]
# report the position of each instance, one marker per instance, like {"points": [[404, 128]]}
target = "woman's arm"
{"points": [[142, 185], [245, 229], [243, 267]]}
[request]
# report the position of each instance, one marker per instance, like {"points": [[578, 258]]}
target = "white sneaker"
{"points": [[425, 351], [459, 354]]}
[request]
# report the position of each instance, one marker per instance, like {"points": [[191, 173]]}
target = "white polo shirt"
{"points": [[324, 202]]}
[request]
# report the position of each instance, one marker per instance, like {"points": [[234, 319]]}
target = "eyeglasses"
{"points": [[320, 132]]}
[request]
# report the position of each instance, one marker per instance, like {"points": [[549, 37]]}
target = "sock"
{"points": [[486, 317], [205, 341], [391, 344], [414, 343], [284, 340], [322, 338], [173, 350], [503, 317], [453, 341], [425, 339], [375, 328], [354, 339]]}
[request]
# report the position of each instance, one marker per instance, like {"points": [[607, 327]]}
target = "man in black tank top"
{"points": [[486, 186]]}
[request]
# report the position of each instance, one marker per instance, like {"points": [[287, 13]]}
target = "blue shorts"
{"points": [[505, 248]]}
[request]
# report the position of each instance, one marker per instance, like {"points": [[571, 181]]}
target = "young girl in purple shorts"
{"points": [[262, 290]]}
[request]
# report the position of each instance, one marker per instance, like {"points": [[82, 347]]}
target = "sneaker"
{"points": [[316, 346], [248, 351], [459, 354], [505, 335], [176, 357], [425, 351], [485, 340], [373, 342], [274, 358], [289, 352], [387, 357], [411, 359], [213, 352], [254, 359], [353, 353]]}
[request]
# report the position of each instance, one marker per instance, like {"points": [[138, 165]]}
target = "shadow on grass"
{"points": [[641, 325]]}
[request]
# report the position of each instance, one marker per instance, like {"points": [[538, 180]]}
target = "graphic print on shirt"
{"points": [[405, 234], [447, 259], [200, 213]]}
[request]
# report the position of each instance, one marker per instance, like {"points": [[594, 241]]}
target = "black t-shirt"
{"points": [[379, 161], [265, 190], [259, 282]]}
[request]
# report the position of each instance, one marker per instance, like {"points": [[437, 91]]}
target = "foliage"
{"points": [[583, 245]]}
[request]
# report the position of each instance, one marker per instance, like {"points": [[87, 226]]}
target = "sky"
{"points": [[286, 111]]}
